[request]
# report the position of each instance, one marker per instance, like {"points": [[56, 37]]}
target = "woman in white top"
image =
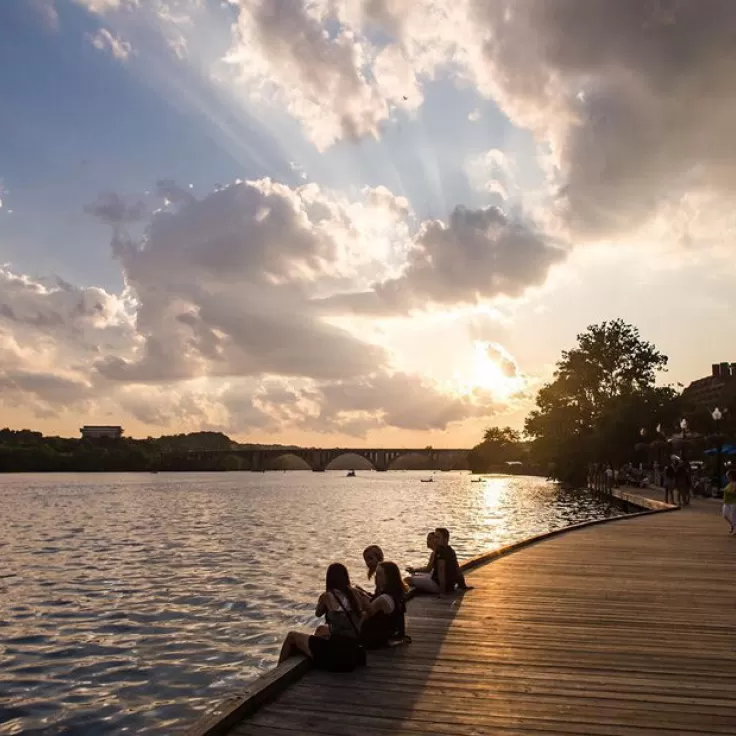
{"points": [[421, 577]]}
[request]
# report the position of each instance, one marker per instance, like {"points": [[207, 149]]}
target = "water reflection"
{"points": [[137, 599]]}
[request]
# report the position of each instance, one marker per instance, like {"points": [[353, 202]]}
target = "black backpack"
{"points": [[352, 654]]}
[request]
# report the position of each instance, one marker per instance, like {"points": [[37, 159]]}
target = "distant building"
{"points": [[95, 432], [716, 390]]}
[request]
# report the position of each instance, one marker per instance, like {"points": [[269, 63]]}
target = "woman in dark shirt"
{"points": [[335, 647], [383, 620]]}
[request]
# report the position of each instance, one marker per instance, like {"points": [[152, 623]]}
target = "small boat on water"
{"points": [[427, 480], [350, 474]]}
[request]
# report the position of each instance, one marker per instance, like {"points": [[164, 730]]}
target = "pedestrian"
{"points": [[729, 501], [669, 482]]}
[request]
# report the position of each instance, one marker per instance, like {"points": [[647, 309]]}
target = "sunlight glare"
{"points": [[491, 375]]}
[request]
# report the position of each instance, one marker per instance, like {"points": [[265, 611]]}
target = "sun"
{"points": [[500, 376]]}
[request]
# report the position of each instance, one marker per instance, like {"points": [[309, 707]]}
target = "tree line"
{"points": [[28, 451]]}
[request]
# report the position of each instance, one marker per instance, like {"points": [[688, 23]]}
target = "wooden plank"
{"points": [[619, 629], [231, 712]]}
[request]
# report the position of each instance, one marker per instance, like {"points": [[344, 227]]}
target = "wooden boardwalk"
{"points": [[623, 628]]}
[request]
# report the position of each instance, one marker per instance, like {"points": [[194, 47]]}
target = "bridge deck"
{"points": [[624, 628]]}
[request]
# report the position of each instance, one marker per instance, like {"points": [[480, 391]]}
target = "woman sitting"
{"points": [[372, 556], [336, 646], [383, 621]]}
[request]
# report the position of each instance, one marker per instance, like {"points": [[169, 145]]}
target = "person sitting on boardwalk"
{"points": [[447, 573], [729, 500], [418, 576], [372, 556], [383, 621], [335, 647], [421, 578]]}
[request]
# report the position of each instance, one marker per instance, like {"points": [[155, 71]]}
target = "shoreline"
{"points": [[223, 716]]}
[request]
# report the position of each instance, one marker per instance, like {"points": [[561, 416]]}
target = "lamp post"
{"points": [[644, 446], [684, 428], [717, 416]]}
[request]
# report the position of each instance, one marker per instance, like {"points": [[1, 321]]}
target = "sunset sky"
{"points": [[353, 222]]}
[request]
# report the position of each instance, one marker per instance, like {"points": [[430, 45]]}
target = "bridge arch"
{"points": [[412, 460], [357, 461]]}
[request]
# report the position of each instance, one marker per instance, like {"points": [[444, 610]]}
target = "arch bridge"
{"points": [[319, 459]]}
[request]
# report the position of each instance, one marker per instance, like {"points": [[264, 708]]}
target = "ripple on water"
{"points": [[138, 600]]}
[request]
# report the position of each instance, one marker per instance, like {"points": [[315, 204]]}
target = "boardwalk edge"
{"points": [[232, 711]]}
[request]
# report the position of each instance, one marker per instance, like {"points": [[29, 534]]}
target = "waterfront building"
{"points": [[95, 432]]}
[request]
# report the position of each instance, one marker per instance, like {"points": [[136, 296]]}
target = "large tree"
{"points": [[602, 393], [499, 446]]}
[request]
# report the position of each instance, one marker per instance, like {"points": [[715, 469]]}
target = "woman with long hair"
{"points": [[372, 555], [335, 647], [383, 620]]}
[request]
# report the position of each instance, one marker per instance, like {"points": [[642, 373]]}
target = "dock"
{"points": [[620, 628]]}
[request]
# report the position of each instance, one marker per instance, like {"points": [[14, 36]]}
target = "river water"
{"points": [[130, 602]]}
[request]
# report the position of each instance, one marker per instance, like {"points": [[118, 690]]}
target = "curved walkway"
{"points": [[623, 628]]}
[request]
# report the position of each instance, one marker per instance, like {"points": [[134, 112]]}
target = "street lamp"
{"points": [[717, 416], [683, 427]]}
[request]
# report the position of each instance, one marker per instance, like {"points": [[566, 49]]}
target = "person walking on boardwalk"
{"points": [[729, 500]]}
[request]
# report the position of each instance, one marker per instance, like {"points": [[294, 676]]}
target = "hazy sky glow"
{"points": [[353, 222]]}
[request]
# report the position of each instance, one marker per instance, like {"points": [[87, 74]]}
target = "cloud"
{"points": [[46, 12], [480, 254], [399, 400], [50, 332], [632, 98], [112, 209], [336, 82], [104, 40], [630, 101], [384, 399], [492, 171], [224, 285], [106, 6]]}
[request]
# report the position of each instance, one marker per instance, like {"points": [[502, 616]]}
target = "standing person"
{"points": [[337, 647], [669, 483], [609, 478], [729, 500], [383, 620], [682, 483]]}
